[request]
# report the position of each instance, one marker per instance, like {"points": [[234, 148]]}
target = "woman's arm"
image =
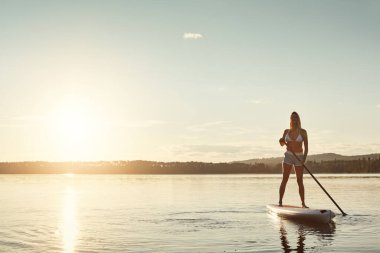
{"points": [[306, 144], [282, 140]]}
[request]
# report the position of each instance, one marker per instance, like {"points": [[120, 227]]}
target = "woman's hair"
{"points": [[291, 122]]}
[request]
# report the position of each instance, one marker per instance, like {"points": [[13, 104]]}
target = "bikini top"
{"points": [[298, 139]]}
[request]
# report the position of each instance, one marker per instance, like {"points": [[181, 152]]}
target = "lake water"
{"points": [[182, 213]]}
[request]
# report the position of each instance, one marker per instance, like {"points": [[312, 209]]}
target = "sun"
{"points": [[73, 123], [77, 127]]}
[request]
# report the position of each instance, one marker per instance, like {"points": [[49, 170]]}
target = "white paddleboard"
{"points": [[302, 214]]}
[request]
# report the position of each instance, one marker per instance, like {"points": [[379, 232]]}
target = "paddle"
{"points": [[311, 174]]}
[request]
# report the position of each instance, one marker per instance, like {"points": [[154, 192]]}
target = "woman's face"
{"points": [[294, 119]]}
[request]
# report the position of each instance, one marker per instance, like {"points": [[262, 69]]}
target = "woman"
{"points": [[294, 138]]}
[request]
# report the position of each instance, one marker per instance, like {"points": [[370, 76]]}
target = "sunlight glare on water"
{"points": [[69, 222]]}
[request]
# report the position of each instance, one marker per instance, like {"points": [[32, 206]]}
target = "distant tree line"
{"points": [[130, 167], [365, 165]]}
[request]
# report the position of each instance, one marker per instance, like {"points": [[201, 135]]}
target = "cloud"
{"points": [[217, 152], [259, 101], [29, 118], [221, 127], [206, 152], [205, 126], [377, 106], [137, 124], [348, 148], [192, 36], [22, 121]]}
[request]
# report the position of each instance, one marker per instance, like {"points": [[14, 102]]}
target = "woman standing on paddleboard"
{"points": [[294, 138]]}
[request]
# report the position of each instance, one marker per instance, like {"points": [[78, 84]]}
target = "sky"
{"points": [[211, 81]]}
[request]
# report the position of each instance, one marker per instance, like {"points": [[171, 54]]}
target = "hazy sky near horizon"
{"points": [[186, 80]]}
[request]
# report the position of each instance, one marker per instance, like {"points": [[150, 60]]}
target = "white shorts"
{"points": [[290, 159]]}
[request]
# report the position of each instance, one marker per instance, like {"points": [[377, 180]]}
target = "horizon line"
{"points": [[188, 161]]}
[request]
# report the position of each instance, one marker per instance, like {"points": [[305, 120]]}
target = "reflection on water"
{"points": [[285, 242], [317, 235], [181, 213], [69, 224]]}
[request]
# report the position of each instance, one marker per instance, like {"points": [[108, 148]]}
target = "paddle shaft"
{"points": [[316, 180]]}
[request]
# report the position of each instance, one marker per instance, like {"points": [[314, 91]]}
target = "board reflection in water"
{"points": [[301, 236]]}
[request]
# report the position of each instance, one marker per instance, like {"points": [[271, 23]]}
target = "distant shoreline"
{"points": [[362, 165]]}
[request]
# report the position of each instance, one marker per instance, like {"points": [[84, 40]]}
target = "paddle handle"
{"points": [[316, 180]]}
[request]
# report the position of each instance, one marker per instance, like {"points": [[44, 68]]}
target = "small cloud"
{"points": [[192, 36], [137, 124], [348, 148], [219, 128], [377, 106], [22, 121], [29, 118], [217, 152], [257, 101], [205, 126]]}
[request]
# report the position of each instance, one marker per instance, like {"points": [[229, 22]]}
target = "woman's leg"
{"points": [[286, 169], [301, 188]]}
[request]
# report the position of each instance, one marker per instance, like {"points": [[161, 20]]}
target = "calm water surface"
{"points": [[181, 213]]}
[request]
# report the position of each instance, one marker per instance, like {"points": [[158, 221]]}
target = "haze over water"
{"points": [[181, 213]]}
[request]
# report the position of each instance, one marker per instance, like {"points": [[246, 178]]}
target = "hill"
{"points": [[314, 158]]}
